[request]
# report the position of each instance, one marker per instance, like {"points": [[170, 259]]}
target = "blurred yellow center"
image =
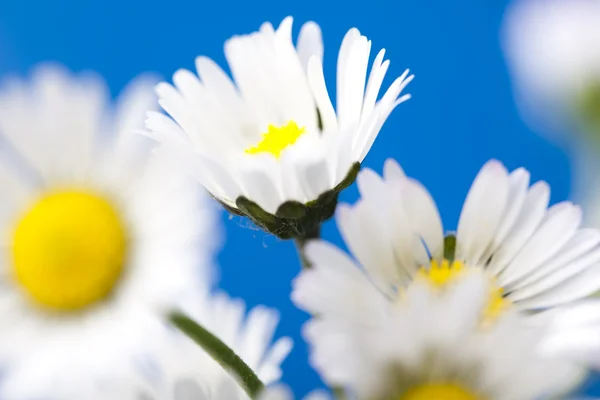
{"points": [[438, 392], [277, 139], [69, 250], [440, 274]]}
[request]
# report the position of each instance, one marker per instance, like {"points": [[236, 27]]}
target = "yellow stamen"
{"points": [[69, 250], [441, 274], [277, 139], [439, 392]]}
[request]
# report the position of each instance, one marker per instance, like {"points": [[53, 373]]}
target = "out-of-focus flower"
{"points": [[179, 369], [534, 256], [99, 237], [429, 343], [553, 50], [270, 145]]}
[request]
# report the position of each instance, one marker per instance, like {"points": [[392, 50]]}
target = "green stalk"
{"points": [[220, 352], [301, 241]]}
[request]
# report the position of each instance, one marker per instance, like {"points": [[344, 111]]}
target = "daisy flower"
{"points": [[553, 50], [178, 368], [536, 257], [97, 236], [429, 344], [270, 144]]}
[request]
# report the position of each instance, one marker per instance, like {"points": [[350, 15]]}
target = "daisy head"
{"points": [[430, 345], [269, 144], [535, 256], [96, 233], [553, 51]]}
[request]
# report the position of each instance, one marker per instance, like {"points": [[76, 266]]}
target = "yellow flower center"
{"points": [[69, 250], [438, 392], [441, 274], [277, 139]]}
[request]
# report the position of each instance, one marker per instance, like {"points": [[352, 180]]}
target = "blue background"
{"points": [[462, 112]]}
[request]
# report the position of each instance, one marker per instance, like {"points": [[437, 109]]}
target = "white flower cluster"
{"points": [[107, 283]]}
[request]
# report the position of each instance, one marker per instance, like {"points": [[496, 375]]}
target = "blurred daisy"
{"points": [[553, 49], [96, 235], [270, 145], [534, 256], [181, 370], [429, 344]]}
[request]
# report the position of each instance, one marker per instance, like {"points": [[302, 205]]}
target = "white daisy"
{"points": [[553, 50], [179, 369], [429, 344], [97, 236], [270, 144], [536, 256]]}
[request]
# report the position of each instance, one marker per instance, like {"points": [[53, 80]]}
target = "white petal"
{"points": [[251, 68], [164, 130], [590, 260], [276, 393], [408, 231], [583, 242], [316, 80], [392, 170], [260, 182], [17, 127], [318, 395], [572, 289], [312, 169], [364, 231], [296, 101], [424, 216], [482, 212], [371, 125], [310, 43], [335, 286], [174, 104], [223, 183], [219, 85], [133, 103], [270, 370], [558, 228], [531, 215], [376, 76], [351, 76], [369, 183], [518, 184]]}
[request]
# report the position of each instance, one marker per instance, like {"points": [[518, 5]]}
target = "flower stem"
{"points": [[220, 352], [339, 393], [301, 241]]}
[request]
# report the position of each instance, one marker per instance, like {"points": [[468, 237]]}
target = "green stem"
{"points": [[339, 393], [449, 247], [220, 352], [301, 242]]}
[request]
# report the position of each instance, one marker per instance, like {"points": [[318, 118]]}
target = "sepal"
{"points": [[295, 220]]}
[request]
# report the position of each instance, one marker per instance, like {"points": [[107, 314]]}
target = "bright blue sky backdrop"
{"points": [[462, 112]]}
